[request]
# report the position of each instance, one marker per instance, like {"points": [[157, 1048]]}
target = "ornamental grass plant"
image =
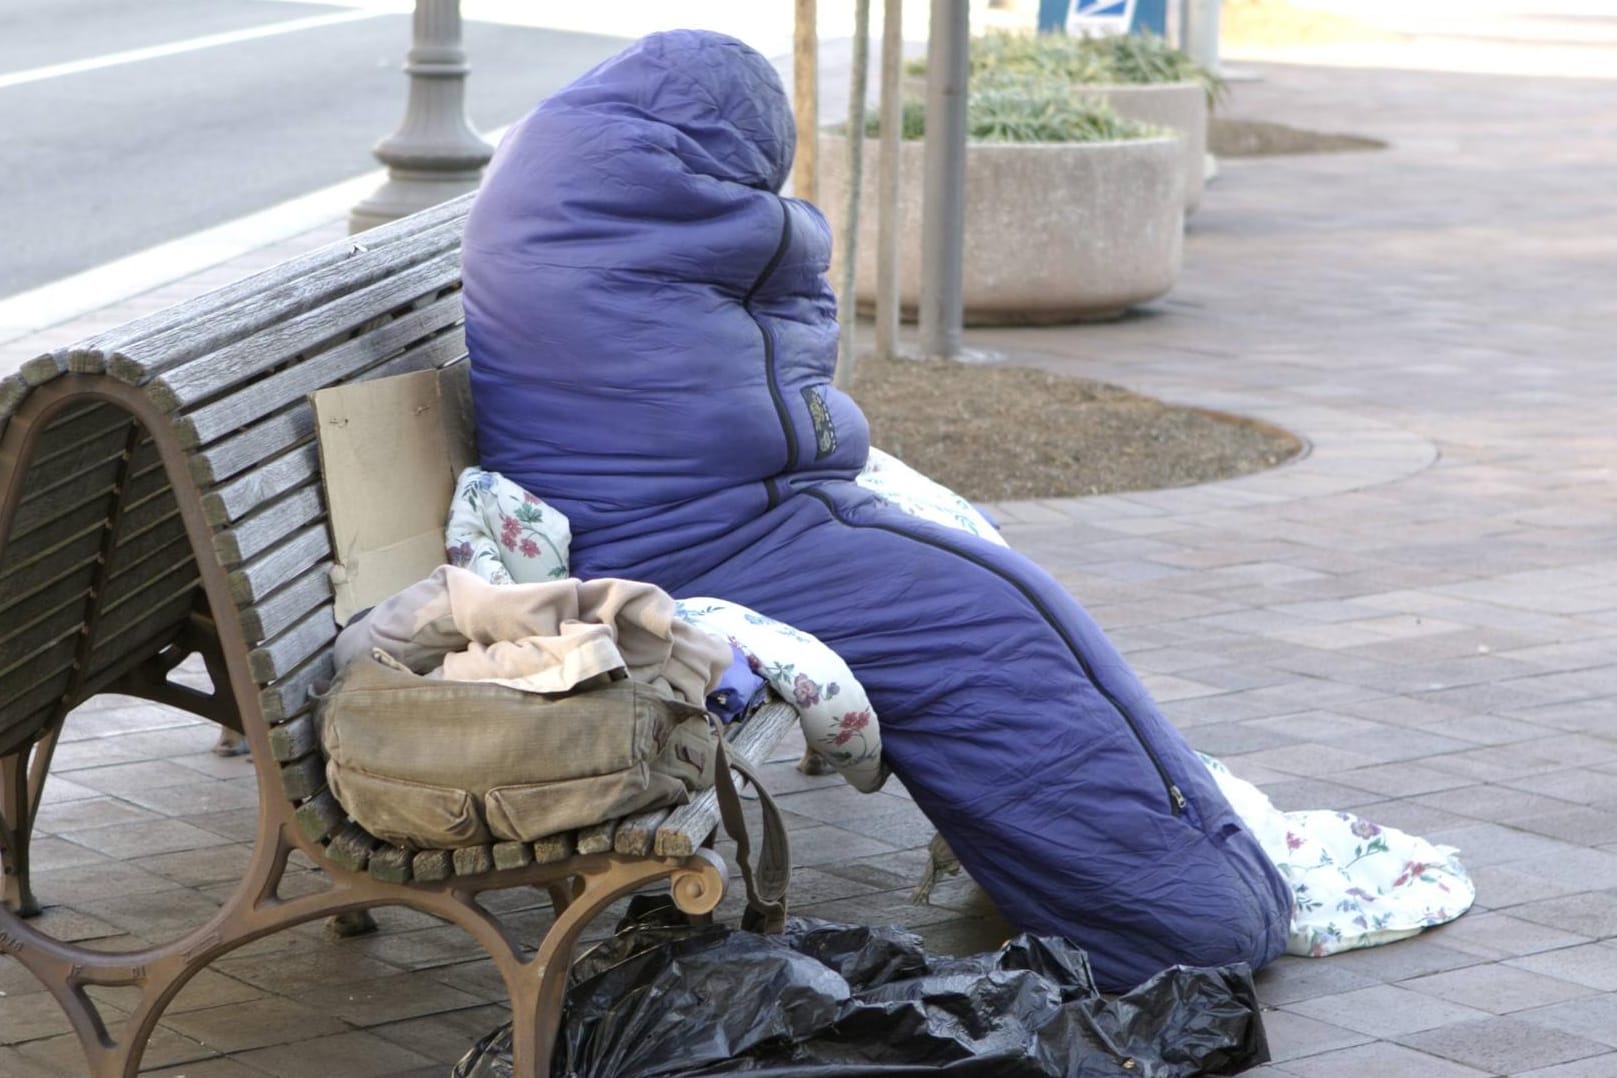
{"points": [[1122, 59], [1023, 110]]}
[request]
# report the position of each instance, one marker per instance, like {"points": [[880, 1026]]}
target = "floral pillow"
{"points": [[898, 483], [504, 534], [838, 721]]}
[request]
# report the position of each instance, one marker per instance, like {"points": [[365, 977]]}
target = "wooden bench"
{"points": [[160, 496]]}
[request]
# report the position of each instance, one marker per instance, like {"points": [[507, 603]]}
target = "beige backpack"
{"points": [[429, 763]]}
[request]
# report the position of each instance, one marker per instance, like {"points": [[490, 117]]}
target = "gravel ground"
{"points": [[1000, 433]]}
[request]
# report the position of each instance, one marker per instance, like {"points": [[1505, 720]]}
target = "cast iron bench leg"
{"points": [[20, 787]]}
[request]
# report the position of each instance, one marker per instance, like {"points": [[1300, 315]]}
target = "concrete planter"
{"points": [[1055, 232], [1177, 106]]}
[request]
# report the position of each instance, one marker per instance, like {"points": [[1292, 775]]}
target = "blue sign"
{"points": [[1103, 16], [1106, 9]]}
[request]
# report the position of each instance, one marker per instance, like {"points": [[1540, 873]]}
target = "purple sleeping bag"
{"points": [[652, 341]]}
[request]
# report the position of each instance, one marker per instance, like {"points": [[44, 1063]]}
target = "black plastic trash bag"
{"points": [[835, 1001]]}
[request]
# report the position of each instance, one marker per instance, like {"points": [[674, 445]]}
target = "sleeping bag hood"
{"points": [[629, 246]]}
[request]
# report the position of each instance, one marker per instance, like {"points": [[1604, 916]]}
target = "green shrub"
{"points": [[1022, 111], [1138, 59]]}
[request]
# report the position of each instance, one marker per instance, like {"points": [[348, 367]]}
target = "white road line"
{"points": [[208, 41], [111, 282]]}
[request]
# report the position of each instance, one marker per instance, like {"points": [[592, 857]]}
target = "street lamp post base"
{"points": [[404, 194], [435, 154]]}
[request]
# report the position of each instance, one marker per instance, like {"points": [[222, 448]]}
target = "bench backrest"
{"points": [[168, 468]]}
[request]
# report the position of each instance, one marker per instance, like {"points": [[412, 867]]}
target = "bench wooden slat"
{"points": [[116, 658], [391, 864], [14, 389], [139, 553], [245, 359], [234, 500], [141, 623], [473, 860], [320, 816], [49, 683], [23, 597], [137, 350], [149, 503], [289, 696], [303, 778], [81, 501], [269, 526], [95, 485], [256, 579], [59, 541], [293, 648], [432, 866], [73, 413], [597, 838], [242, 451], [155, 513], [229, 413], [46, 649], [286, 429], [59, 610], [294, 740], [44, 367], [509, 855], [65, 539], [553, 849], [86, 497], [27, 689], [688, 825], [287, 606], [171, 568], [63, 460], [80, 427], [162, 573], [351, 848], [24, 717], [637, 834]]}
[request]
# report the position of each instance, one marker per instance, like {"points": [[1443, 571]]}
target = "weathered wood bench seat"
{"points": [[160, 496]]}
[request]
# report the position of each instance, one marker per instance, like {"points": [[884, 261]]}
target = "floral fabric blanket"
{"points": [[504, 534], [838, 721], [1357, 884]]}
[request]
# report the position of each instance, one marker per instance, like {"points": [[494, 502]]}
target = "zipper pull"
{"points": [[1178, 799]]}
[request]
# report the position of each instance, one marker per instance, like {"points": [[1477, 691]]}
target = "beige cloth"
{"points": [[546, 637]]}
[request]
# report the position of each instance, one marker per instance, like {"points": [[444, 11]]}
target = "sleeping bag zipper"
{"points": [[769, 351], [1176, 797]]}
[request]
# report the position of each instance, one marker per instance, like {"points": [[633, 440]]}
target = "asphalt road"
{"points": [[97, 164]]}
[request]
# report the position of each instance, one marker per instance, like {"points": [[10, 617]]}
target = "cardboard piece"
{"points": [[390, 450]]}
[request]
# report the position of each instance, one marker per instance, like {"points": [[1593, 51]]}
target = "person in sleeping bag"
{"points": [[652, 339]]}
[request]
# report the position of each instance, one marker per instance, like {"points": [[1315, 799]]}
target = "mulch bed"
{"points": [[1001, 433]]}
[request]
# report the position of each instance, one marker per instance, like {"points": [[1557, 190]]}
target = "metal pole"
{"points": [[943, 216], [892, 118], [806, 102], [435, 154], [848, 301], [1202, 38]]}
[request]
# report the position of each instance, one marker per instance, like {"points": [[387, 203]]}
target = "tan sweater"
{"points": [[546, 637]]}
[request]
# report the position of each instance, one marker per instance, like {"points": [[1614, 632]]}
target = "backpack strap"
{"points": [[766, 886]]}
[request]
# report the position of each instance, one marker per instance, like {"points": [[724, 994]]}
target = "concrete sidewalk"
{"points": [[1415, 621]]}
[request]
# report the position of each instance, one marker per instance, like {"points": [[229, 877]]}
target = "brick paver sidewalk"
{"points": [[1416, 621]]}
